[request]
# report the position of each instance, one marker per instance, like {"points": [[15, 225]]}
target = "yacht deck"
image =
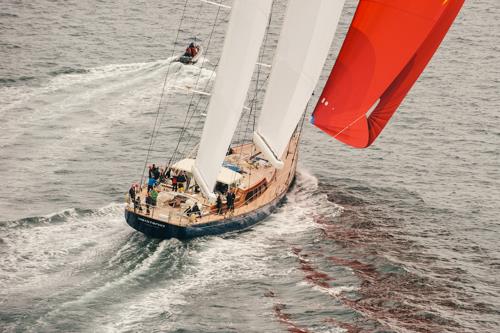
{"points": [[260, 184]]}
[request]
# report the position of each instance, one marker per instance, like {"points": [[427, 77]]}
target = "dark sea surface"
{"points": [[399, 237]]}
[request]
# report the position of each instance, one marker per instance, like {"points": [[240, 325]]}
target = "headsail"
{"points": [[241, 48], [386, 49], [306, 36]]}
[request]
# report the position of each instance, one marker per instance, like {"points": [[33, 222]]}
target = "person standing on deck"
{"points": [[174, 183], [156, 172], [151, 183], [154, 196], [230, 197], [168, 172], [218, 204], [131, 192], [150, 171], [233, 199], [148, 203], [137, 204], [181, 179]]}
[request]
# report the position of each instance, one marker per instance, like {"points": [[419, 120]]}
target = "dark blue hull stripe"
{"points": [[157, 229]]}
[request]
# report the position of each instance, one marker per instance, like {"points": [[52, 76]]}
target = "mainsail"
{"points": [[386, 49], [240, 52], [306, 36]]}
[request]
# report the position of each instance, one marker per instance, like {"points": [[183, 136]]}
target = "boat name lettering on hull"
{"points": [[150, 222]]}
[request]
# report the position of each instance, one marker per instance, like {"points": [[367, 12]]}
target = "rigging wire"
{"points": [[261, 58], [193, 108], [252, 114], [190, 107], [157, 124], [197, 20], [199, 120], [153, 133]]}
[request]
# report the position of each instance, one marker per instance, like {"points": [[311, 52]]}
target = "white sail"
{"points": [[306, 36], [244, 37]]}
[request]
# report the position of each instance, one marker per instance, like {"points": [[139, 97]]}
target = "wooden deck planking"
{"points": [[278, 183]]}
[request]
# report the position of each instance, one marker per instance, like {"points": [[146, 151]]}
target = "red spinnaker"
{"points": [[387, 47]]}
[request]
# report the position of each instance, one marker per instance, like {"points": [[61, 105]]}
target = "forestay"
{"points": [[306, 36], [241, 48]]}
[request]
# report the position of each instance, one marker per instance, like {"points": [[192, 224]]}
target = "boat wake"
{"points": [[88, 261], [107, 92], [325, 251]]}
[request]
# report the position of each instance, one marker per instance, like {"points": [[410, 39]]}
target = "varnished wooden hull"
{"points": [[157, 229]]}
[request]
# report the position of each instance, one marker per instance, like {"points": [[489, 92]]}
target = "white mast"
{"points": [[244, 36], [305, 40]]}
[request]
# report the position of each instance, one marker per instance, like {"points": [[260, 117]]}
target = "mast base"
{"points": [[200, 180], [267, 151]]}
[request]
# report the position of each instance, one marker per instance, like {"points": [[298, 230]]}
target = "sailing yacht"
{"points": [[387, 47]]}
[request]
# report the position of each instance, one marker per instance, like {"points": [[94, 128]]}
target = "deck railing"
{"points": [[184, 219]]}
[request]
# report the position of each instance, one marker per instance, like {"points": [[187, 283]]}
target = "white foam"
{"points": [[220, 259], [89, 104], [108, 287], [102, 239], [329, 329], [333, 291], [57, 247], [244, 256]]}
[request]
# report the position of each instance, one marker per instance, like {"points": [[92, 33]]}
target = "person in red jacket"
{"points": [[194, 50], [191, 51], [174, 183]]}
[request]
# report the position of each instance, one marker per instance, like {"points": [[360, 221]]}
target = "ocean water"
{"points": [[399, 237]]}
